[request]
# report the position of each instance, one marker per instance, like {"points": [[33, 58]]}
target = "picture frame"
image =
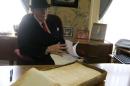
{"points": [[65, 3], [82, 36], [68, 31], [98, 31]]}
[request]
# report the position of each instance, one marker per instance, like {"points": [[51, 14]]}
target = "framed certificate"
{"points": [[68, 31]]}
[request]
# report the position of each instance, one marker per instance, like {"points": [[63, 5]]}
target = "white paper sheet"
{"points": [[71, 49]]}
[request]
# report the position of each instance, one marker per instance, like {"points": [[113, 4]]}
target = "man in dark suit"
{"points": [[39, 35]]}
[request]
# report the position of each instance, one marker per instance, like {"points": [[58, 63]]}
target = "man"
{"points": [[39, 35]]}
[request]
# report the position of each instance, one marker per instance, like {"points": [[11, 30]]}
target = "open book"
{"points": [[66, 58], [74, 74]]}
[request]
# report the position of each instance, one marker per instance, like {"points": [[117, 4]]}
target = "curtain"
{"points": [[104, 5], [26, 4]]}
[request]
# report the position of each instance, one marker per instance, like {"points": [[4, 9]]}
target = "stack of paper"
{"points": [[74, 74]]}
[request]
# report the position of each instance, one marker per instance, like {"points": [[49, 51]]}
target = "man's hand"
{"points": [[57, 49]]}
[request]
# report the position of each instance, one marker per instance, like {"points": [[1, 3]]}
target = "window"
{"points": [[117, 19], [11, 13]]}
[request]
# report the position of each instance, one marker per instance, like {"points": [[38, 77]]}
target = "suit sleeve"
{"points": [[27, 41]]}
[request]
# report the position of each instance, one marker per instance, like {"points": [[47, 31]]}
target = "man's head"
{"points": [[39, 8]]}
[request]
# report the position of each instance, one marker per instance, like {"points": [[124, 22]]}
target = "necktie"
{"points": [[45, 27]]}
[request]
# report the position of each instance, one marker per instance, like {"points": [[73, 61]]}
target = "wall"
{"points": [[94, 13], [78, 18]]}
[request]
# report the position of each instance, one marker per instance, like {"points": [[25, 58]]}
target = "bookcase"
{"points": [[95, 51]]}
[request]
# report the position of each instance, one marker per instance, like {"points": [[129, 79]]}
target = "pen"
{"points": [[11, 75]]}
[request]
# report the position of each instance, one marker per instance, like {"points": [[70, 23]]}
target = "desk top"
{"points": [[17, 72], [95, 42], [117, 74]]}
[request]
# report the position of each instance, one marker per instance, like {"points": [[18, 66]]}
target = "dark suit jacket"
{"points": [[33, 40]]}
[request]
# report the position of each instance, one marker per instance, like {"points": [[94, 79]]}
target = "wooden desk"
{"points": [[17, 72], [117, 74]]}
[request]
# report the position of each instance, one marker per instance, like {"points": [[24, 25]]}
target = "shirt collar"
{"points": [[37, 19]]}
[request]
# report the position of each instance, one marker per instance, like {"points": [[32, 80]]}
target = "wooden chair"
{"points": [[7, 46], [20, 59]]}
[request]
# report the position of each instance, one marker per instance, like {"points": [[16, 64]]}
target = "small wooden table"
{"points": [[95, 51]]}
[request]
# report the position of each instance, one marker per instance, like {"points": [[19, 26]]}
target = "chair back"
{"points": [[7, 47]]}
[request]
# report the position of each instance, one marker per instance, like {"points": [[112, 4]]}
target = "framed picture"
{"points": [[68, 31], [65, 3], [98, 31], [82, 36]]}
